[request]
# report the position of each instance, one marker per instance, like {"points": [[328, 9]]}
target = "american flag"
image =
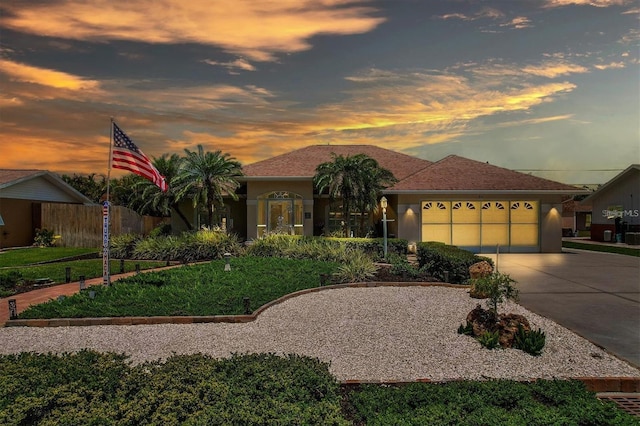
{"points": [[127, 156]]}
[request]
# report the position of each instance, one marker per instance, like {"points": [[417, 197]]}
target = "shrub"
{"points": [[162, 229], [530, 341], [44, 238], [438, 257], [188, 247], [123, 246], [359, 268], [9, 280], [498, 287]]}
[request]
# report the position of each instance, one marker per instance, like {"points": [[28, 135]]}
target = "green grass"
{"points": [[27, 256], [628, 251], [264, 389], [203, 289], [91, 268]]}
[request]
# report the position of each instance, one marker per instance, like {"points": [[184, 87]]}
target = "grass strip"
{"points": [[30, 255], [627, 251]]}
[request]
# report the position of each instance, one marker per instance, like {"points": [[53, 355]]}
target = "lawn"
{"points": [[31, 255], [201, 289]]}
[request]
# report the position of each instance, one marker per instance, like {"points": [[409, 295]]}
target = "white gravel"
{"points": [[368, 334]]}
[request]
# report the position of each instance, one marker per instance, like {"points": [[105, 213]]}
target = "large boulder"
{"points": [[480, 269], [477, 271]]}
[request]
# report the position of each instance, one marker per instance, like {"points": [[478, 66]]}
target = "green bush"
{"points": [[495, 402], [466, 329], [437, 258], [188, 247], [359, 268], [10, 279], [44, 238], [123, 246], [162, 230], [92, 388]]}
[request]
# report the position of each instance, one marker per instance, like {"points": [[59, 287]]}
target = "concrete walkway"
{"points": [[596, 295]]}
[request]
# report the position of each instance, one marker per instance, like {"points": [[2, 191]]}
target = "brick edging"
{"points": [[593, 384], [72, 322]]}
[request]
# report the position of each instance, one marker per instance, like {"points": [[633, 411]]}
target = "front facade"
{"points": [[616, 206], [458, 201]]}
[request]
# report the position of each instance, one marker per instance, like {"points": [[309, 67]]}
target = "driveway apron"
{"points": [[596, 295]]}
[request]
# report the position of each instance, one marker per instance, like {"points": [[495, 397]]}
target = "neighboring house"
{"points": [[457, 201], [576, 217], [616, 206], [21, 193]]}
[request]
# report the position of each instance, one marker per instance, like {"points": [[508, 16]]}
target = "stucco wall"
{"points": [[18, 223]]}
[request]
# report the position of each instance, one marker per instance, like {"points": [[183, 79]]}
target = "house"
{"points": [[616, 206], [21, 193], [576, 217], [459, 201]]}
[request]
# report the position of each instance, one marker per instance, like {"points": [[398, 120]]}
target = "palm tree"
{"points": [[206, 177], [156, 202], [356, 180]]}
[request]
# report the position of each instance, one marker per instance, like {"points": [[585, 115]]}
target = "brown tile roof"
{"points": [[303, 162], [10, 175], [455, 173]]}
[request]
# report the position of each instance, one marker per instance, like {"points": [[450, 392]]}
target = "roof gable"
{"points": [[634, 168], [38, 185], [302, 163], [455, 173]]}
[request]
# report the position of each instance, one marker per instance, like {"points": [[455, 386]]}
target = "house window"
{"points": [[280, 212]]}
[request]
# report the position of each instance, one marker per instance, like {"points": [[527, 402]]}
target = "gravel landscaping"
{"points": [[368, 334]]}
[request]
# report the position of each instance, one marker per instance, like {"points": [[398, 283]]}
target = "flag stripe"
{"points": [[127, 156]]}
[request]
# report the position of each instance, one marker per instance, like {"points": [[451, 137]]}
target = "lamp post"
{"points": [[383, 204]]}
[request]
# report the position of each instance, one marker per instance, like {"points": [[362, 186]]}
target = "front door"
{"points": [[280, 216]]}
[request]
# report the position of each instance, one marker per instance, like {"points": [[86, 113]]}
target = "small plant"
{"points": [[498, 288], [530, 341], [466, 329], [489, 339], [45, 238]]}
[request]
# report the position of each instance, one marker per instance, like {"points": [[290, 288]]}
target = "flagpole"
{"points": [[106, 207]]}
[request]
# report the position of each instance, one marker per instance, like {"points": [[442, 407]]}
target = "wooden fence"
{"points": [[81, 225]]}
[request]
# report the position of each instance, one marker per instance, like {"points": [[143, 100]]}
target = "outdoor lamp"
{"points": [[227, 258], [383, 204]]}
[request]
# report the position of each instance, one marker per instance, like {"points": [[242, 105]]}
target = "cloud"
{"points": [[485, 13], [45, 77], [611, 65], [238, 64], [518, 23], [595, 3], [256, 29]]}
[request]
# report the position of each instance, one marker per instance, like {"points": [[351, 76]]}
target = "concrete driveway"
{"points": [[596, 295]]}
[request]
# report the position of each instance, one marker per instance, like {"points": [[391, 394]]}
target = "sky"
{"points": [[548, 87]]}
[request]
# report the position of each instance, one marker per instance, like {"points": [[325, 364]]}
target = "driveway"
{"points": [[596, 295]]}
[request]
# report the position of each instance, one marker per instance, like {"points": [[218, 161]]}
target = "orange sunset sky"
{"points": [[549, 87]]}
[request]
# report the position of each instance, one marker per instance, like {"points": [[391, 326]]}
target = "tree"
{"points": [[357, 180], [206, 177], [88, 185], [155, 202]]}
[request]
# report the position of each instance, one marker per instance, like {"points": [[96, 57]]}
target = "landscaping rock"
{"points": [[479, 270], [483, 320]]}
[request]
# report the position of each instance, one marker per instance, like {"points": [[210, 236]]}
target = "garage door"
{"points": [[481, 225]]}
